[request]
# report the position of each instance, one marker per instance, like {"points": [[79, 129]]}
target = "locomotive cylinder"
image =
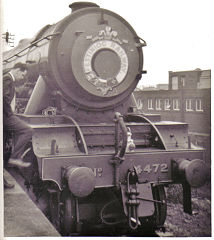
{"points": [[195, 172]]}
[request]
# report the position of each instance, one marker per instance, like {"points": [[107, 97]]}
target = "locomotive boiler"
{"points": [[100, 161]]}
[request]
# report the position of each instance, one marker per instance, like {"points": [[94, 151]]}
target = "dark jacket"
{"points": [[8, 95]]}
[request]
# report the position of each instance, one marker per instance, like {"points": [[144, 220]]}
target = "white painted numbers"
{"points": [[148, 168], [98, 172], [152, 168]]}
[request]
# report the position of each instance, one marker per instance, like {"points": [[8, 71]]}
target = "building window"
{"points": [[175, 83], [175, 104], [139, 104], [150, 104], [198, 105], [189, 105], [158, 104], [183, 81], [166, 104]]}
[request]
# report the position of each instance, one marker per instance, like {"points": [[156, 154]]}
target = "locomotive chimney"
{"points": [[78, 5]]}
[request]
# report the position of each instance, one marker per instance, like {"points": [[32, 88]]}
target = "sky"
{"points": [[179, 33]]}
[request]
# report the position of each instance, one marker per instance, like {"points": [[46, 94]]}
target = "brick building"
{"points": [[188, 99]]}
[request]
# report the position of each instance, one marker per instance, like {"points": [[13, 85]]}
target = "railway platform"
{"points": [[22, 218]]}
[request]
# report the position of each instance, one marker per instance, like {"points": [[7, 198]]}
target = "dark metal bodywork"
{"points": [[60, 142], [78, 99]]}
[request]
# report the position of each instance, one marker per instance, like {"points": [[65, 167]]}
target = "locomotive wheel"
{"points": [[160, 209], [54, 209], [68, 215], [150, 224]]}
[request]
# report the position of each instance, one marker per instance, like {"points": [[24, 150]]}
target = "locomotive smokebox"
{"points": [[81, 181], [93, 58], [96, 60], [195, 172]]}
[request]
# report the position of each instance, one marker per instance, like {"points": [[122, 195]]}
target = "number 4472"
{"points": [[153, 168], [156, 167]]}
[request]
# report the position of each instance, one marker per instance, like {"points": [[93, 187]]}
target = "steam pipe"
{"points": [[39, 99]]}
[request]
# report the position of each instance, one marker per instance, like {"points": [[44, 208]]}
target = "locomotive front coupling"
{"points": [[141, 201]]}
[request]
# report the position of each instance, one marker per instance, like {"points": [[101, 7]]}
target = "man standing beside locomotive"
{"points": [[11, 123]]}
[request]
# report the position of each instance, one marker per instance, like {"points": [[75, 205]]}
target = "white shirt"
{"points": [[13, 102]]}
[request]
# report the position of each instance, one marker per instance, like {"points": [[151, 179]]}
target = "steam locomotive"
{"points": [[98, 158]]}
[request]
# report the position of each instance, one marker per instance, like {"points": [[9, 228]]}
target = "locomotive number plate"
{"points": [[152, 168]]}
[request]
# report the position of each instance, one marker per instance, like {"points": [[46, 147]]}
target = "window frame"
{"points": [[183, 81], [165, 104], [198, 109], [140, 103], [150, 104], [175, 104], [188, 105], [158, 104], [173, 79]]}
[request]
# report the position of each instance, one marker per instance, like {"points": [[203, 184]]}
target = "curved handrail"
{"points": [[34, 43], [154, 127], [80, 132]]}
